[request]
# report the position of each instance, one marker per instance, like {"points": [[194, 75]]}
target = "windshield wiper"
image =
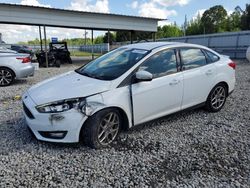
{"points": [[88, 75], [82, 73]]}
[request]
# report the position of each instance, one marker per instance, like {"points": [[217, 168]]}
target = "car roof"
{"points": [[155, 45], [148, 45]]}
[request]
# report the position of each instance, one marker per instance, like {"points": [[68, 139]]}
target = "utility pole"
{"points": [[92, 42], [46, 49], [41, 40], [185, 25], [85, 36]]}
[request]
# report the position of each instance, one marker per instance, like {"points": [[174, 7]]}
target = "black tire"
{"points": [[70, 60], [92, 129], [7, 77], [57, 63], [215, 101]]}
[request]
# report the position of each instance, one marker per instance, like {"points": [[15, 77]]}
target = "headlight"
{"points": [[61, 106]]}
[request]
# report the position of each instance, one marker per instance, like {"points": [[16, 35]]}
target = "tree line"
{"points": [[213, 20]]}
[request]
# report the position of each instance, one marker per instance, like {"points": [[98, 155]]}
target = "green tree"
{"points": [[98, 40], [111, 38], [77, 41], [245, 19], [233, 22], [142, 35], [195, 26], [214, 19], [169, 31], [122, 36]]}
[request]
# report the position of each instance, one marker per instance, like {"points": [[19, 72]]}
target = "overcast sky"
{"points": [[173, 10]]}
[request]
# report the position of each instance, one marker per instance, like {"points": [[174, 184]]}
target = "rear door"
{"points": [[162, 95], [198, 76]]}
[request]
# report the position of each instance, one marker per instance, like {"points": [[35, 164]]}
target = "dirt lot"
{"points": [[192, 148]]}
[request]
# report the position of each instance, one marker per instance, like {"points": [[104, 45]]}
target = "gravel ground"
{"points": [[192, 148]]}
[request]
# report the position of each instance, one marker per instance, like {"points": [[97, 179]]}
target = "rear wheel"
{"points": [[216, 98], [6, 77], [102, 128]]}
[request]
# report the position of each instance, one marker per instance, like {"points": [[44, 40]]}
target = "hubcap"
{"points": [[218, 97], [5, 77], [109, 128]]}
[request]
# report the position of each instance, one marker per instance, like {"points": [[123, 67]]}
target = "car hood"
{"points": [[66, 86]]}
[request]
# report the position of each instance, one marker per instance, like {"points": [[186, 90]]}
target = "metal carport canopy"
{"points": [[31, 15]]}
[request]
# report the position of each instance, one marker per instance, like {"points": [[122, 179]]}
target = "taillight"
{"points": [[232, 64], [24, 59]]}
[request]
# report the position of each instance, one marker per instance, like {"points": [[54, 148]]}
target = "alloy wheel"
{"points": [[6, 77], [109, 128], [218, 97]]}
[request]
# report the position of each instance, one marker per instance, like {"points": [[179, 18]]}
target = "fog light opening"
{"points": [[53, 135]]}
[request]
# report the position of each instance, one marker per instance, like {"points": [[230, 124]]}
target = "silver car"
{"points": [[14, 66]]}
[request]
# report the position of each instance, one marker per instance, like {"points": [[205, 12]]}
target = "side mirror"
{"points": [[143, 76]]}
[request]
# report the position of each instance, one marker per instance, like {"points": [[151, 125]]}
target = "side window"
{"points": [[212, 57], [161, 63], [192, 58]]}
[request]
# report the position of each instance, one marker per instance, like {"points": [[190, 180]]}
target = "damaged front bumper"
{"points": [[62, 127]]}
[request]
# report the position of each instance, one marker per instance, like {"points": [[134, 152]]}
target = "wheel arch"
{"points": [[222, 82], [124, 116], [225, 84], [9, 69]]}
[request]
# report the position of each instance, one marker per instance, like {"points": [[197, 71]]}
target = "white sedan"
{"points": [[13, 66], [126, 87]]}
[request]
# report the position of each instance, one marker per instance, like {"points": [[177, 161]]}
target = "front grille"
{"points": [[27, 112]]}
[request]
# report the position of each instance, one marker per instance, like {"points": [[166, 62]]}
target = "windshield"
{"points": [[5, 50], [113, 64]]}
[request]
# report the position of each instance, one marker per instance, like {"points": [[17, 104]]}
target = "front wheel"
{"points": [[216, 98], [6, 77], [102, 128]]}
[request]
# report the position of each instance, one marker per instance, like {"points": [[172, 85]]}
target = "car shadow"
{"points": [[20, 82], [16, 135], [172, 117]]}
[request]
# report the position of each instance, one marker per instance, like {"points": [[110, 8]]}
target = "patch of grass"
{"points": [[83, 54]]}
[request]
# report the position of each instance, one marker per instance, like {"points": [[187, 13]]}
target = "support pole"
{"points": [[131, 37], [154, 36], [40, 35], [108, 38], [92, 41], [46, 50], [1, 38], [85, 39]]}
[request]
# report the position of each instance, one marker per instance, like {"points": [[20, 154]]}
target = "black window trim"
{"points": [[191, 47], [211, 61], [127, 81], [208, 60], [173, 49]]}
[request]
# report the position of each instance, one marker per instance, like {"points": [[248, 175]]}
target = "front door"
{"points": [[162, 95]]}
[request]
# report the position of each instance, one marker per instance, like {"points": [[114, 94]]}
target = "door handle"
{"points": [[209, 72], [174, 82]]}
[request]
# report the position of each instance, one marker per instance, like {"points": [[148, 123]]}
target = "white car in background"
{"points": [[13, 66], [126, 87]]}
